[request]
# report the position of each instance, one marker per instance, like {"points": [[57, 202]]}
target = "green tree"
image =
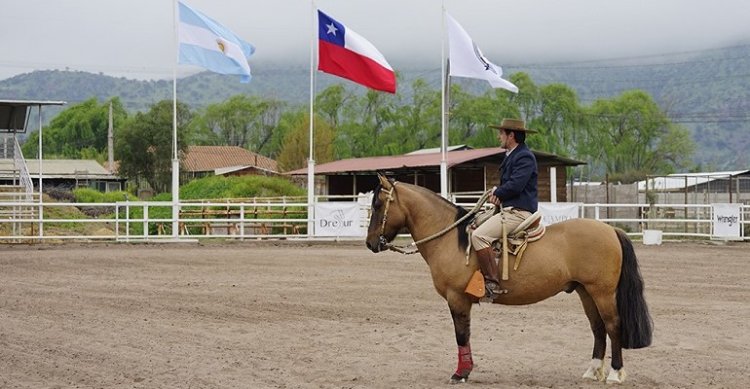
{"points": [[364, 120], [296, 144], [78, 132], [558, 120], [630, 136], [471, 116], [245, 121], [416, 124], [144, 145]]}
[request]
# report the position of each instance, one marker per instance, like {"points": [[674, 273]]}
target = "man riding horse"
{"points": [[516, 194]]}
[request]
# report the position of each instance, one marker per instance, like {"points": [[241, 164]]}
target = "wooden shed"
{"points": [[469, 170]]}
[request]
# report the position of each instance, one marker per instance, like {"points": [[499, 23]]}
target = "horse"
{"points": [[595, 260]]}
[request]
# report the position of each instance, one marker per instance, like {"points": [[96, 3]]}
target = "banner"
{"points": [[338, 219], [726, 220], [556, 212]]}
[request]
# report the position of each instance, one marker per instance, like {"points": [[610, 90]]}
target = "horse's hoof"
{"points": [[595, 372], [457, 379], [616, 376]]}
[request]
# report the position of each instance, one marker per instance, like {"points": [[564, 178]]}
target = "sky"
{"points": [[135, 38]]}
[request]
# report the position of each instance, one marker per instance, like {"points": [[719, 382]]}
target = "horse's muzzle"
{"points": [[380, 246]]}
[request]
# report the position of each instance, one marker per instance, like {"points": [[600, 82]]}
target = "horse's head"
{"points": [[387, 216]]}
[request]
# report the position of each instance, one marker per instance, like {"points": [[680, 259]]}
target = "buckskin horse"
{"points": [[583, 255]]}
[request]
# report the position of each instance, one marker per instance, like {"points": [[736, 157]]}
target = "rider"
{"points": [[517, 195]]}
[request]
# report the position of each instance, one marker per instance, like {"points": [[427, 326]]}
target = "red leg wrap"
{"points": [[465, 363]]}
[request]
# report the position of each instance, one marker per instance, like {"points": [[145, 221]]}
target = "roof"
{"points": [[69, 168], [683, 180], [14, 113], [373, 164], [437, 149], [210, 158]]}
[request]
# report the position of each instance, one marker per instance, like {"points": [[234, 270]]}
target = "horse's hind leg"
{"points": [[607, 306], [596, 368], [461, 313]]}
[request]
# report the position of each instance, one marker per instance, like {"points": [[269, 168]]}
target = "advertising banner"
{"points": [[726, 220], [556, 212], [338, 219]]}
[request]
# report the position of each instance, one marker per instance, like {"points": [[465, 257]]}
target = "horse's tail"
{"points": [[636, 326]]}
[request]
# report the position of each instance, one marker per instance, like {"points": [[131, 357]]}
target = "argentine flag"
{"points": [[208, 44]]}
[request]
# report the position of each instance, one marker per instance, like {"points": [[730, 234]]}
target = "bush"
{"points": [[61, 195], [88, 195], [218, 187]]}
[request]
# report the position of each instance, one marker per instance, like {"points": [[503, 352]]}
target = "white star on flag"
{"points": [[332, 28]]}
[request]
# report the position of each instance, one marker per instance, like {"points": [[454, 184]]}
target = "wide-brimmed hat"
{"points": [[513, 125]]}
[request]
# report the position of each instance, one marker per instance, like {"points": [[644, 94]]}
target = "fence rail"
{"points": [[283, 219]]}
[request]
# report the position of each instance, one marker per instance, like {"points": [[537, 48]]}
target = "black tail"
{"points": [[636, 326]]}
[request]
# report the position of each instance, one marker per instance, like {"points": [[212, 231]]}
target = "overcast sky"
{"points": [[135, 38]]}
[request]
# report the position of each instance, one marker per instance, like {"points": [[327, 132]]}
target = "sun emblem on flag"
{"points": [[220, 44]]}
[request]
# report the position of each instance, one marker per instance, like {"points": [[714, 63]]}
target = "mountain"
{"points": [[706, 91]]}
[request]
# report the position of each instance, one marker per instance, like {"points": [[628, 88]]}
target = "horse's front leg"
{"points": [[460, 308]]}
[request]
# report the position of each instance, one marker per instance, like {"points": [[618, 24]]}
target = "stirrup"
{"points": [[492, 290]]}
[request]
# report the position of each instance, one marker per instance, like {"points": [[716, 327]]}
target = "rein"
{"points": [[411, 247]]}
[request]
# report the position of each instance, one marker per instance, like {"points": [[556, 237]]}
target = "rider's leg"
{"points": [[481, 240]]}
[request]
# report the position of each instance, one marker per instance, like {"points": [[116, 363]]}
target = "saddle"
{"points": [[514, 243]]}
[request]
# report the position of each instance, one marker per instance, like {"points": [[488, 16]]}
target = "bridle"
{"points": [[382, 242], [411, 247]]}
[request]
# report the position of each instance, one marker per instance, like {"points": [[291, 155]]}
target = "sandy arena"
{"points": [[298, 315]]}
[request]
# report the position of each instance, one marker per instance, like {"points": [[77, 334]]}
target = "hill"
{"points": [[707, 91]]}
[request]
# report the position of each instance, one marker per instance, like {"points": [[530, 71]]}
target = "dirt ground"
{"points": [[302, 315]]}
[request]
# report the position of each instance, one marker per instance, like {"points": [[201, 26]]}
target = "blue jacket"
{"points": [[518, 180]]}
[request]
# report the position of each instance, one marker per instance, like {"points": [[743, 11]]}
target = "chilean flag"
{"points": [[344, 53]]}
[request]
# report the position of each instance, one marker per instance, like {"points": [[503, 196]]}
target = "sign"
{"points": [[556, 212], [726, 220], [338, 219]]}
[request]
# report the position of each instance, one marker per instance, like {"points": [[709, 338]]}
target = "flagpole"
{"points": [[444, 124], [311, 159], [175, 157]]}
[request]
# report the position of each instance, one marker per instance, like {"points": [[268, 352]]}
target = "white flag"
{"points": [[466, 60]]}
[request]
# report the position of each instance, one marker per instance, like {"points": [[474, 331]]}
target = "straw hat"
{"points": [[513, 125]]}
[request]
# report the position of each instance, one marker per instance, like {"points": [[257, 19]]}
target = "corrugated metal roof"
{"points": [[69, 168], [437, 149], [683, 180], [372, 164], [210, 158]]}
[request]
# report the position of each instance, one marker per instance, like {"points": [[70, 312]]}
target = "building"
{"points": [[469, 170], [201, 161]]}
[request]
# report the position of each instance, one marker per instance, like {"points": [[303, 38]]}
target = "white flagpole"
{"points": [[311, 159], [41, 192], [175, 157], [444, 121]]}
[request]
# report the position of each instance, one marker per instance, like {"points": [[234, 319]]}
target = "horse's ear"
{"points": [[384, 182]]}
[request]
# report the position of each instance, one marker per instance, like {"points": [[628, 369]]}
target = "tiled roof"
{"points": [[210, 158]]}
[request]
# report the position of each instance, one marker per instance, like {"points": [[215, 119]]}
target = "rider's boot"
{"points": [[488, 266]]}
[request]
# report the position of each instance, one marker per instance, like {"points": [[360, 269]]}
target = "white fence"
{"points": [[152, 221]]}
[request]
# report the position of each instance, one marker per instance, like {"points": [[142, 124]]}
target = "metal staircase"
{"points": [[17, 196]]}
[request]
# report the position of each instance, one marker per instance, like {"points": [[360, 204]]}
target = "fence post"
{"points": [[145, 220]]}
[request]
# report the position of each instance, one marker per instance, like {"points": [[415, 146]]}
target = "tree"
{"points": [[558, 120], [296, 144], [631, 136], [78, 132], [417, 124], [245, 121], [364, 120], [144, 145]]}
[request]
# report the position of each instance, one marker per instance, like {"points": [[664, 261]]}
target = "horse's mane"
{"points": [[463, 237]]}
